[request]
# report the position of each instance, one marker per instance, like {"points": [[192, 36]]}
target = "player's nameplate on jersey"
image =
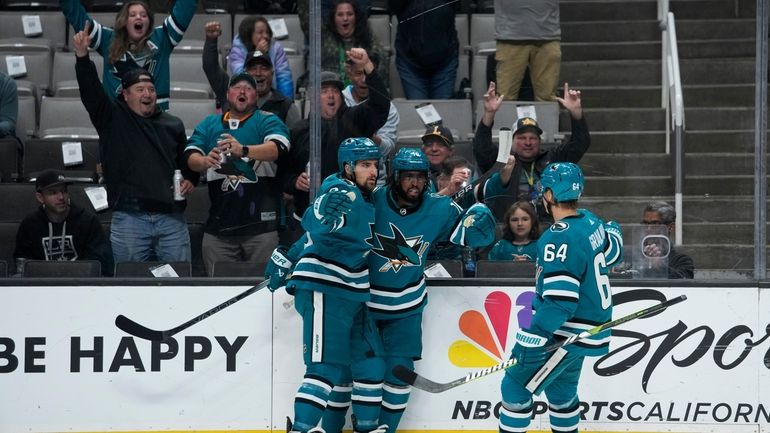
{"points": [[31, 25], [72, 153], [278, 26], [428, 114], [16, 66], [98, 197], [164, 271]]}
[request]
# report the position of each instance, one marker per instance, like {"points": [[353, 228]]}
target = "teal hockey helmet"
{"points": [[564, 179], [356, 149], [410, 159]]}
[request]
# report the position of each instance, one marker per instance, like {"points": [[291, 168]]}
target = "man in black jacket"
{"points": [[338, 122], [140, 147], [259, 66], [60, 229], [531, 159]]}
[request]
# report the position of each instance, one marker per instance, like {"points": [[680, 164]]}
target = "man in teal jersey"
{"points": [[244, 189], [410, 218], [331, 280], [573, 294]]}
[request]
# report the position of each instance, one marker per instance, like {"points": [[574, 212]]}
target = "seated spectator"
{"points": [[347, 27], [141, 147], [60, 229], [520, 233], [237, 151], [133, 42], [385, 137], [9, 106], [680, 265], [256, 64], [427, 48], [255, 34], [531, 159]]}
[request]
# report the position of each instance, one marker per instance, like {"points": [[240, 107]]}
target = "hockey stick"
{"points": [[503, 151], [409, 376], [130, 327]]}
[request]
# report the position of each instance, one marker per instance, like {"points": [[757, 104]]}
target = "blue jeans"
{"points": [[144, 236], [421, 83]]}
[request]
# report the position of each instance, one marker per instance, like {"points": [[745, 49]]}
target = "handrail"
{"points": [[672, 100]]}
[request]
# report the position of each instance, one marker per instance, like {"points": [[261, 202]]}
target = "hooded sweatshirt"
{"points": [[79, 237]]}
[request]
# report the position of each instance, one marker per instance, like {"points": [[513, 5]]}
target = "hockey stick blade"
{"points": [[412, 378], [137, 330]]}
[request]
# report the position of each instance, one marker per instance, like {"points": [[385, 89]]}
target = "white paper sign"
{"points": [[437, 270], [72, 153], [278, 26], [16, 66], [526, 111], [31, 25], [428, 114], [98, 197], [164, 271]]}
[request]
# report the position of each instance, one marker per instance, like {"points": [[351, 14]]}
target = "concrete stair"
{"points": [[611, 51]]}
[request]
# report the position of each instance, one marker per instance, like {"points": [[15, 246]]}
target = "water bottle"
{"points": [[178, 185], [469, 262]]}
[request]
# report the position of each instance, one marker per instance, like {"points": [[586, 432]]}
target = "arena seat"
{"points": [[26, 122], [504, 269], [19, 200], [195, 36], [63, 79], [3, 269], [12, 38], [456, 114], [188, 81], [65, 118], [62, 269], [192, 111], [8, 244], [9, 159], [41, 154], [38, 65], [482, 29]]}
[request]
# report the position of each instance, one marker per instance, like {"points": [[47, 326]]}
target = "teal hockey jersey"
{"points": [[572, 284], [400, 240], [334, 257]]}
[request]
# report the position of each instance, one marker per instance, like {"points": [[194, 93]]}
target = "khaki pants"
{"points": [[543, 59]]}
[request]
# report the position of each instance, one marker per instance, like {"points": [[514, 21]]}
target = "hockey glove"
{"points": [[529, 350], [476, 227], [278, 268], [331, 206]]}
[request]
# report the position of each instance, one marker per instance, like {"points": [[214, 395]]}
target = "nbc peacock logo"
{"points": [[486, 332]]}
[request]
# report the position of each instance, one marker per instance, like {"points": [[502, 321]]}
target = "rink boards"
{"points": [[701, 366]]}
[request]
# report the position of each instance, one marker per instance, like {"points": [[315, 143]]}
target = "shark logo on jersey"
{"points": [[397, 249]]}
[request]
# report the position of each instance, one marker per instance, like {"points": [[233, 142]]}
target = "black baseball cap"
{"points": [[257, 57], [527, 122], [243, 77], [49, 179], [441, 132]]}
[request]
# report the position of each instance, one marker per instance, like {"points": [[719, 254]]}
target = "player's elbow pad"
{"points": [[613, 251]]}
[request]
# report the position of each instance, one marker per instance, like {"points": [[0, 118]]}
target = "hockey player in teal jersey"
{"points": [[409, 220], [133, 42], [331, 279], [572, 294]]}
